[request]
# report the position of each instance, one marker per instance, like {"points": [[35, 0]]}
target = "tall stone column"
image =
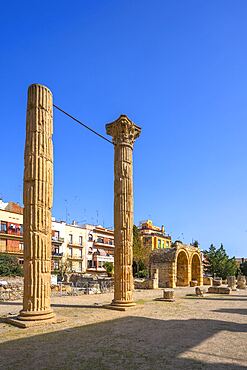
{"points": [[38, 198], [124, 132]]}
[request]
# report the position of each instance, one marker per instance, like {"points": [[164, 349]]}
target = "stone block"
{"points": [[193, 283], [241, 282], [217, 282], [207, 280], [219, 290]]}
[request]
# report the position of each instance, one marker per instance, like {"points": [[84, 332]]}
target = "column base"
{"points": [[119, 305], [28, 324], [164, 299], [36, 315]]}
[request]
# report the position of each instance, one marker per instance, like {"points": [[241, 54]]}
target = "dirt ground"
{"points": [[190, 333]]}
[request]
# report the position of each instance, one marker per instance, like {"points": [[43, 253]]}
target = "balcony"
{"points": [[79, 258], [57, 240], [56, 254], [102, 244], [75, 245], [5, 235]]}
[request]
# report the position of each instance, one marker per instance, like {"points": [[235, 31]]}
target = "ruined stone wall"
{"points": [[170, 266]]}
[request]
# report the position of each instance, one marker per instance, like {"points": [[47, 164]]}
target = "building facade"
{"points": [[154, 237], [100, 248], [75, 248], [11, 230]]}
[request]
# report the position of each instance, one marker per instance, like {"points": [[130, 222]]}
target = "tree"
{"points": [[9, 266], [141, 254], [109, 268], [219, 263], [195, 244], [243, 268]]}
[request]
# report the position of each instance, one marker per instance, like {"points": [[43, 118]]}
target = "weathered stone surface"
{"points": [[217, 282], [241, 282], [193, 283], [231, 282], [199, 292], [38, 198], [219, 290], [124, 132], [168, 294], [177, 266], [207, 280]]}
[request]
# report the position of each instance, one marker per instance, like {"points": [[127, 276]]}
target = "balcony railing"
{"points": [[5, 235], [55, 239], [76, 245], [56, 254], [104, 244], [75, 258]]}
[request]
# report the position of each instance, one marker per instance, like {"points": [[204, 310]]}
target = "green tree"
{"points": [[9, 266], [109, 268], [195, 244], [141, 254], [219, 263]]}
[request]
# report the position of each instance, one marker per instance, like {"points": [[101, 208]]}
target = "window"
{"points": [[56, 235], [21, 229], [70, 238], [21, 246], [111, 242], [80, 266], [167, 244], [56, 265], [3, 245], [56, 250], [100, 240], [80, 240], [80, 252], [90, 237], [70, 252], [21, 262], [159, 243], [3, 227], [90, 264]]}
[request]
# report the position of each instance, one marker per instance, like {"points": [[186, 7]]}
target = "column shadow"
{"points": [[127, 343]]}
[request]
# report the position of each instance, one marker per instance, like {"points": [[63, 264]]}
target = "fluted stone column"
{"points": [[124, 132], [38, 198]]}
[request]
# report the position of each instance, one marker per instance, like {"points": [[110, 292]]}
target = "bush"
{"points": [[142, 274], [109, 268], [9, 266]]}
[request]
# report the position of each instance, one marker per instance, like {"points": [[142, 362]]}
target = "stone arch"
{"points": [[196, 268], [182, 268]]}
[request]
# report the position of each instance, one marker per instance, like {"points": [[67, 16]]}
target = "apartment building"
{"points": [[154, 237], [100, 248], [11, 230], [75, 248]]}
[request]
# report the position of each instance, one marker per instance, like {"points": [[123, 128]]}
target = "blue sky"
{"points": [[176, 68]]}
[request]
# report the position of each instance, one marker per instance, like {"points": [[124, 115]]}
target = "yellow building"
{"points": [[154, 237]]}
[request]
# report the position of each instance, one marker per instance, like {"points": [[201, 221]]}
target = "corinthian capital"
{"points": [[123, 131]]}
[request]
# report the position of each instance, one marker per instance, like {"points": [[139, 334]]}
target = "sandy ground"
{"points": [[191, 333]]}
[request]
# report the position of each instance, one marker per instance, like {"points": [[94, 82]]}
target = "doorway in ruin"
{"points": [[196, 268], [182, 269]]}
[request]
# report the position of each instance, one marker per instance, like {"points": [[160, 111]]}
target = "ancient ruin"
{"points": [[177, 266], [38, 198], [241, 282], [124, 132], [231, 282]]}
